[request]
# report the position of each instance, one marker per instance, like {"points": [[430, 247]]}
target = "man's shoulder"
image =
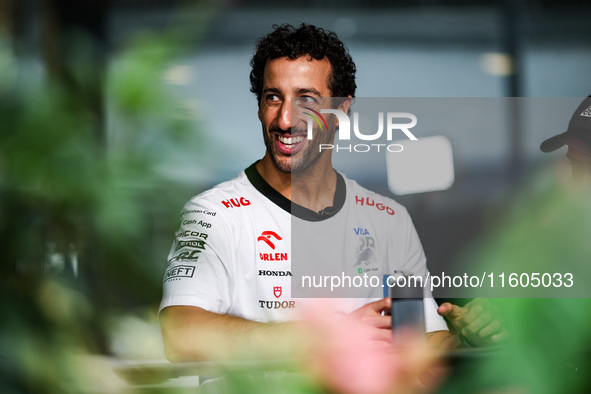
{"points": [[211, 208], [363, 197], [235, 188]]}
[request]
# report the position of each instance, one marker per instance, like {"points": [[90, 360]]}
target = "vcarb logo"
{"points": [[235, 202], [365, 253], [178, 272], [371, 203], [266, 238], [345, 130]]}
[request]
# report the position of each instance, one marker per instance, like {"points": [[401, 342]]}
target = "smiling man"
{"points": [[227, 289]]}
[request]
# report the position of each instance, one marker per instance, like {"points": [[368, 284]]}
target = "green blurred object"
{"points": [[80, 210], [546, 230]]}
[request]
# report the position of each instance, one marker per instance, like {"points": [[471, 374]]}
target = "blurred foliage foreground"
{"points": [[79, 207], [546, 229]]}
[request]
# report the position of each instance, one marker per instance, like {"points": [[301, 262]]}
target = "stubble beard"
{"points": [[310, 154]]}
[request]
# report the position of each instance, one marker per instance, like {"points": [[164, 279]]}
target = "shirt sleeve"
{"points": [[200, 262]]}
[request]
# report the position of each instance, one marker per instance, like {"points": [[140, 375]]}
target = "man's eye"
{"points": [[272, 97], [307, 100]]}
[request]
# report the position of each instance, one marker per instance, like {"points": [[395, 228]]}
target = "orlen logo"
{"points": [[235, 202], [266, 238], [345, 130], [371, 203]]}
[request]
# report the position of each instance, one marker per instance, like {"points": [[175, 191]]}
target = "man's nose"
{"points": [[285, 115]]}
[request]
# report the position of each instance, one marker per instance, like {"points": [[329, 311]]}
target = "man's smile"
{"points": [[289, 144]]}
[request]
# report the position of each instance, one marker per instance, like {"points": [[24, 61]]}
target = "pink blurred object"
{"points": [[348, 359]]}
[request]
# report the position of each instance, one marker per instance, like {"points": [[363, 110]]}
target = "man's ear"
{"points": [[345, 106]]}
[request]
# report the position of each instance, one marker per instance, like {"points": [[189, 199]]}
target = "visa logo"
{"points": [[361, 231]]}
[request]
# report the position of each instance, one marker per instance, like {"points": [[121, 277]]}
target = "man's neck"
{"points": [[313, 189]]}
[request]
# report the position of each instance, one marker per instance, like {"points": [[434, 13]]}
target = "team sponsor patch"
{"points": [[274, 273], [236, 202], [270, 241], [371, 203], [178, 272], [267, 237], [277, 291], [196, 211], [587, 112], [197, 244], [273, 256], [365, 253], [361, 231], [198, 223], [189, 233], [276, 304], [189, 255]]}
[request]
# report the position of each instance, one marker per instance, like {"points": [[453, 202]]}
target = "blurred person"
{"points": [[227, 287], [478, 323], [577, 138], [544, 231]]}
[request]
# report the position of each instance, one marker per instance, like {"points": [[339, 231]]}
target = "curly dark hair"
{"points": [[287, 41]]}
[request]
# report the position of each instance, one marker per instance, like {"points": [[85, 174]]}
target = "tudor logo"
{"points": [[277, 291], [266, 238], [276, 304]]}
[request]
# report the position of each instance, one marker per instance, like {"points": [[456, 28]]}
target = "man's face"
{"points": [[581, 166], [303, 81]]}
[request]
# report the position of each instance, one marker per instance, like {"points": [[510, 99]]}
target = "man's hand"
{"points": [[353, 353], [478, 321], [371, 315]]}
